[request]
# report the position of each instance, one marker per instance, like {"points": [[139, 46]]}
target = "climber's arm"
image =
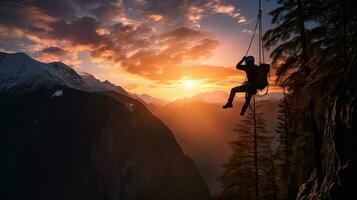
{"points": [[239, 64]]}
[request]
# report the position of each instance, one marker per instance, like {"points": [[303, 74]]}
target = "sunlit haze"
{"points": [[188, 83]]}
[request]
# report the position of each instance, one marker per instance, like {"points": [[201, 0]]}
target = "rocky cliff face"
{"points": [[80, 145], [336, 179]]}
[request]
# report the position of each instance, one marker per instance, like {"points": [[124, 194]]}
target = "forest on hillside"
{"points": [[313, 50]]}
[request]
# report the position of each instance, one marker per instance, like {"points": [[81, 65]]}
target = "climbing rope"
{"points": [[261, 58], [252, 38], [258, 25]]}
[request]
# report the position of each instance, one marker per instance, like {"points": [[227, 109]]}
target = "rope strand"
{"points": [[251, 40], [255, 136]]}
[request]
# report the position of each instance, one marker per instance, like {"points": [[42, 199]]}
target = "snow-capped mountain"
{"points": [[95, 85], [19, 70], [21, 74]]}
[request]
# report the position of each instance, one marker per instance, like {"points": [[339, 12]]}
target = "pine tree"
{"points": [[238, 179], [334, 45], [283, 130], [283, 154], [291, 41]]}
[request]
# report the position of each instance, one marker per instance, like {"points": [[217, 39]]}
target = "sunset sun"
{"points": [[188, 84]]}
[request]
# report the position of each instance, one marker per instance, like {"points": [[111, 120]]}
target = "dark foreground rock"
{"points": [[338, 174], [81, 145]]}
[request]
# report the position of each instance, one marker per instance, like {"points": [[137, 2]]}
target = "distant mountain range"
{"points": [[69, 136], [150, 100], [216, 96]]}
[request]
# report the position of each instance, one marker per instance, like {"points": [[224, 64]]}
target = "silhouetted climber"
{"points": [[256, 79]]}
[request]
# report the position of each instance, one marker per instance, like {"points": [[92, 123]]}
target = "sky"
{"points": [[168, 49]]}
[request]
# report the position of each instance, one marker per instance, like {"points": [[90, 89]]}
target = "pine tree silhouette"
{"points": [[238, 179], [291, 41]]}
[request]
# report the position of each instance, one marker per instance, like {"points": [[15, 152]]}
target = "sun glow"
{"points": [[188, 84]]}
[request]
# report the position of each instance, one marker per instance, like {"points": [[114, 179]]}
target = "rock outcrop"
{"points": [[336, 178]]}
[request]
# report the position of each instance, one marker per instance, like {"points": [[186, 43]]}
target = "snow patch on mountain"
{"points": [[20, 72], [95, 85], [58, 93]]}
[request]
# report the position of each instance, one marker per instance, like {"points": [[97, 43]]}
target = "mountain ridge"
{"points": [[18, 71]]}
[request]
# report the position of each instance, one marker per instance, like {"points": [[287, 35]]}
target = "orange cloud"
{"points": [[159, 53], [155, 17], [195, 14], [169, 54], [229, 9], [217, 7]]}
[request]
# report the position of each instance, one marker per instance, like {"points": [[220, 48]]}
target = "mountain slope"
{"points": [[60, 141], [95, 85], [151, 100], [90, 146], [19, 70]]}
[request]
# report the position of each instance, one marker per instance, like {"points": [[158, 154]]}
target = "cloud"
{"points": [[155, 17], [173, 11], [229, 9], [169, 53], [250, 32], [219, 7], [107, 11], [53, 50], [153, 39], [18, 16], [189, 13], [79, 31], [195, 14], [63, 9], [242, 20], [50, 54]]}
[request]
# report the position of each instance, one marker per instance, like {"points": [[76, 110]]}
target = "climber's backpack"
{"points": [[261, 78]]}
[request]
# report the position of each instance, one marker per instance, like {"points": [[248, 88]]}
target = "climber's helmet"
{"points": [[249, 60]]}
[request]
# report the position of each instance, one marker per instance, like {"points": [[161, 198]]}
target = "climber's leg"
{"points": [[229, 104], [246, 104], [251, 90]]}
